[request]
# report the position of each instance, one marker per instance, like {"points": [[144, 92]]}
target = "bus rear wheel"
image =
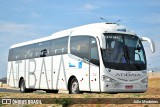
{"points": [[22, 86], [74, 87]]}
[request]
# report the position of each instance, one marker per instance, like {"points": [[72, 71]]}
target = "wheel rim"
{"points": [[75, 87]]}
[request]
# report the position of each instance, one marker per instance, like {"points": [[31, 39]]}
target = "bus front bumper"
{"points": [[123, 87]]}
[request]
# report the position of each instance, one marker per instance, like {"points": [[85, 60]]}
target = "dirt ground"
{"points": [[153, 92]]}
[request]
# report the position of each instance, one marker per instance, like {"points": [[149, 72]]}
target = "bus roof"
{"points": [[89, 29]]}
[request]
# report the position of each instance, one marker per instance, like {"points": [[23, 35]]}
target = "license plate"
{"points": [[129, 86]]}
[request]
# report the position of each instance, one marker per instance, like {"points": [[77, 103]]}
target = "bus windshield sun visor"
{"points": [[151, 43]]}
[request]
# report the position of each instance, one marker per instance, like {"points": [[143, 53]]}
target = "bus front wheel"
{"points": [[74, 87]]}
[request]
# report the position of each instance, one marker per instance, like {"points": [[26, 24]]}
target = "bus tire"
{"points": [[22, 86], [74, 87]]}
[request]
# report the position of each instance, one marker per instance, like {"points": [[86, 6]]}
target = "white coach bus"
{"points": [[99, 57]]}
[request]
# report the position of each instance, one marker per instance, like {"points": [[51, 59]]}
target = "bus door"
{"points": [[94, 66], [79, 62], [85, 47]]}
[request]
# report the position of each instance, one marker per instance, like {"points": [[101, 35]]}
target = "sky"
{"points": [[24, 20]]}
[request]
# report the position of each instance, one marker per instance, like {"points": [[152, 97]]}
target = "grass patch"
{"points": [[64, 102], [1, 105], [137, 95]]}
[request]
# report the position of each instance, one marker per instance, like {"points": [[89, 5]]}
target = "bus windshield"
{"points": [[123, 52]]}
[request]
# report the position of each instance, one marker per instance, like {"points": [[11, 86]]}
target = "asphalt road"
{"points": [[9, 90]]}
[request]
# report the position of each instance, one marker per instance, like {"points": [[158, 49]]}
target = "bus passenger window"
{"points": [[17, 54], [11, 57], [80, 46], [28, 51], [59, 46], [42, 49]]}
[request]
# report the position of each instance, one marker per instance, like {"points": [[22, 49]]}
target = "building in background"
{"points": [[3, 80]]}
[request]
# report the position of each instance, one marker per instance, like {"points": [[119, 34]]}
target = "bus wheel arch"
{"points": [[73, 81], [22, 86]]}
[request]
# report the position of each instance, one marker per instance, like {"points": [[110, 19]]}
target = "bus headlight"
{"points": [[144, 80], [107, 79]]}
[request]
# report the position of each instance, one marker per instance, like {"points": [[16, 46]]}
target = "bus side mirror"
{"points": [[102, 42], [151, 43]]}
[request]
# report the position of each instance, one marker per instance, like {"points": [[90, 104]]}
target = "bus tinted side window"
{"points": [[28, 51], [42, 49], [17, 54], [80, 46], [59, 46], [11, 56]]}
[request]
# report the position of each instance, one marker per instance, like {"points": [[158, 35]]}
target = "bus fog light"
{"points": [[144, 80], [107, 79]]}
